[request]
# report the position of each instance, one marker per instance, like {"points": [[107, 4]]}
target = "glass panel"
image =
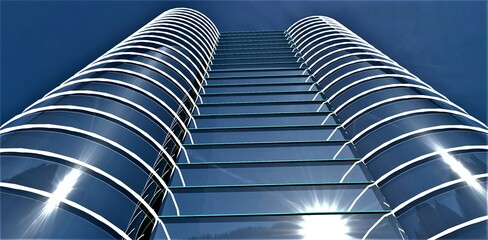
{"points": [[438, 213], [475, 231], [285, 96], [288, 64], [269, 172], [218, 74], [298, 106], [249, 54], [27, 220], [390, 109], [254, 59], [260, 88], [261, 135], [122, 110], [267, 152], [278, 79], [372, 98], [390, 158], [270, 199], [404, 125], [430, 174], [340, 226], [98, 125], [264, 120], [364, 86], [107, 158], [111, 203], [245, 46]]}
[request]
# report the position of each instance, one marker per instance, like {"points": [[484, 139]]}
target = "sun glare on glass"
{"points": [[62, 190], [314, 227]]}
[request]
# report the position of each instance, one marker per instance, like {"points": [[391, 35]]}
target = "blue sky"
{"points": [[45, 42]]}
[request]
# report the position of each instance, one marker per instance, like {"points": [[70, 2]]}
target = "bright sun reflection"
{"points": [[323, 226], [461, 171], [62, 190]]}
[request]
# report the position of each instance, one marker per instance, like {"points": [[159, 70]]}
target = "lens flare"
{"points": [[314, 227]]}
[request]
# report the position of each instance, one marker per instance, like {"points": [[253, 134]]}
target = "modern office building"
{"points": [[183, 132]]}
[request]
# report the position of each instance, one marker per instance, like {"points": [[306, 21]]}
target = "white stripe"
{"points": [[68, 202], [428, 155], [93, 135], [111, 116], [149, 79], [108, 95], [406, 113], [164, 74], [386, 86], [340, 91], [459, 226], [94, 169], [394, 99], [164, 25], [159, 60], [348, 64], [420, 195], [418, 131]]}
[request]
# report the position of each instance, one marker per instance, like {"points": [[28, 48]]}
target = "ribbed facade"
{"points": [[182, 132], [103, 144]]}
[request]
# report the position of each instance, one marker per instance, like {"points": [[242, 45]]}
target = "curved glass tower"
{"points": [[92, 158], [182, 132]]}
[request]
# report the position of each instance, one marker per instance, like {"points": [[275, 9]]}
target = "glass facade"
{"points": [[183, 132]]}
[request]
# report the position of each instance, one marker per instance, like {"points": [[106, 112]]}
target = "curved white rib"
{"points": [[352, 84], [155, 118], [364, 48], [93, 135], [347, 40], [121, 52], [412, 112], [459, 226], [308, 29], [335, 29], [306, 25], [381, 56], [200, 59], [386, 86], [159, 60], [428, 155], [292, 28], [162, 73], [115, 180], [110, 116], [420, 195], [337, 36], [183, 24], [136, 42], [298, 28], [378, 181], [393, 99], [149, 79], [340, 36], [351, 63], [168, 24], [365, 69], [68, 202], [361, 46], [125, 41], [199, 19], [199, 49], [418, 131], [322, 29]]}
